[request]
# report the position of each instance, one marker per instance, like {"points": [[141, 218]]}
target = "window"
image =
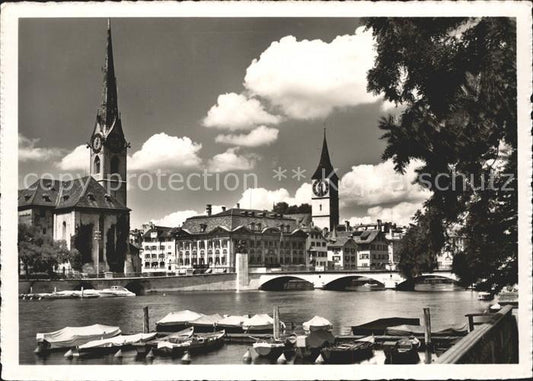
{"points": [[64, 231], [97, 164]]}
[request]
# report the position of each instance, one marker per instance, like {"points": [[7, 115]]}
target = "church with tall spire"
{"points": [[325, 186], [90, 213]]}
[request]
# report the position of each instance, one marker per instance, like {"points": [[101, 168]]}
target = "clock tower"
{"points": [[325, 186], [108, 144]]}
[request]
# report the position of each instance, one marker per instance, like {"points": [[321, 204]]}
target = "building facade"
{"points": [[158, 252], [212, 240]]}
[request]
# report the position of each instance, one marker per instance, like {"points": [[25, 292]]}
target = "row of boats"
{"points": [[114, 291], [182, 333]]}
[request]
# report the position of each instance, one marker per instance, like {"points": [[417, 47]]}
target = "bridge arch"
{"points": [[136, 286], [342, 282], [410, 283], [286, 282]]}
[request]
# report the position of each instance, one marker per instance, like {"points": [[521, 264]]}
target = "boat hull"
{"points": [[347, 354]]}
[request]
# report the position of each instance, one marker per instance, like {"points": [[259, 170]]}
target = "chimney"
{"points": [[347, 223], [223, 208], [379, 224], [238, 205], [208, 209]]}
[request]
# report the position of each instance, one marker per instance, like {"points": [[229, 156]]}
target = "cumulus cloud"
{"points": [[176, 218], [238, 112], [370, 185], [259, 136], [164, 151], [29, 152], [78, 159], [308, 79], [261, 198], [401, 213], [231, 161]]}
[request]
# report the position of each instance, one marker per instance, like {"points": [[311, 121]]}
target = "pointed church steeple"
{"points": [[108, 143], [324, 168], [108, 111]]}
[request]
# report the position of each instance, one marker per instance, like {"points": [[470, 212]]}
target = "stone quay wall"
{"points": [[139, 285]]}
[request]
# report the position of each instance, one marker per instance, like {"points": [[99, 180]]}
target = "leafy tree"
{"points": [[454, 80], [38, 252], [284, 208], [280, 207]]}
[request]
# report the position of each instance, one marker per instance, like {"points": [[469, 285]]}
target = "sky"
{"points": [[217, 103]]}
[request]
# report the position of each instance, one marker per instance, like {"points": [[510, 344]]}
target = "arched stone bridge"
{"points": [[329, 279]]}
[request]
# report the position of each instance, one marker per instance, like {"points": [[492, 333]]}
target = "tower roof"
{"points": [[108, 110], [324, 168]]}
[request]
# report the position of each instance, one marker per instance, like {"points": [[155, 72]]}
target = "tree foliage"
{"points": [[39, 253], [454, 80], [284, 208]]}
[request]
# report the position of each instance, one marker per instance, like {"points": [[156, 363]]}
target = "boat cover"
{"points": [[232, 320], [318, 339], [179, 317], [74, 336], [317, 323], [407, 330], [119, 341], [260, 322], [207, 320], [378, 327]]}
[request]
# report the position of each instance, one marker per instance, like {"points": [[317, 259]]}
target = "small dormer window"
{"points": [[107, 197], [203, 227], [46, 197], [91, 197], [27, 197], [66, 197]]}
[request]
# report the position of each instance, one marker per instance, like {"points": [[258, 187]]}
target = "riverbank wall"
{"points": [[493, 342], [139, 285]]}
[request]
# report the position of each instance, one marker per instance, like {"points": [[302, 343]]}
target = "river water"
{"points": [[343, 309]]}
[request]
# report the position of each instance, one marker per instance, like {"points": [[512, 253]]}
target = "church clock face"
{"points": [[320, 188], [97, 143]]}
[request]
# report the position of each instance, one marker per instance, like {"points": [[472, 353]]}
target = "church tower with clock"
{"points": [[108, 144], [325, 186]]}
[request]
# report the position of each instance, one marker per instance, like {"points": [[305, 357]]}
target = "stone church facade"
{"points": [[90, 213]]}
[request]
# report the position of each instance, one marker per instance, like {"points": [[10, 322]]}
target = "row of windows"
{"points": [[272, 243], [253, 260], [195, 261], [187, 245], [202, 252], [318, 243]]}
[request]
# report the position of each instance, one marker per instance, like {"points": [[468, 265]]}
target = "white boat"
{"points": [[115, 291], [113, 343], [317, 323], [484, 295], [176, 321], [232, 323], [260, 323], [269, 348], [206, 323], [69, 337]]}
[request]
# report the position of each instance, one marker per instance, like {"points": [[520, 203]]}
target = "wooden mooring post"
{"points": [[146, 322], [427, 335]]}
